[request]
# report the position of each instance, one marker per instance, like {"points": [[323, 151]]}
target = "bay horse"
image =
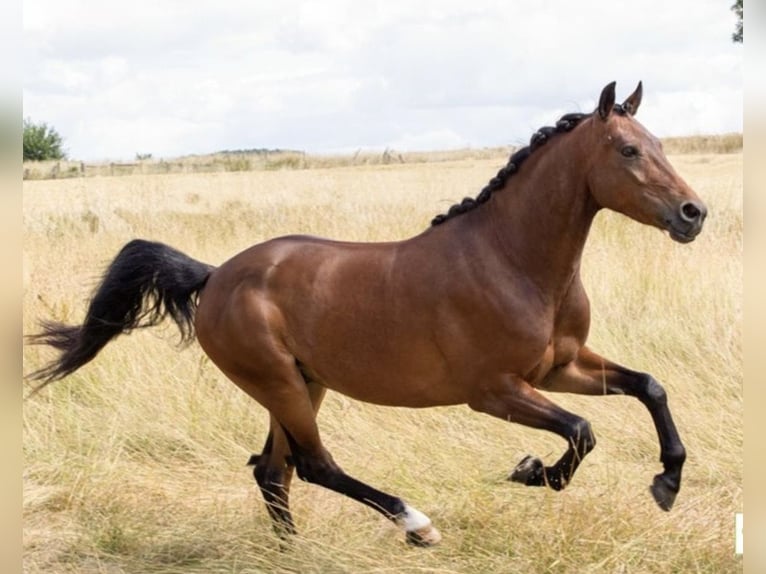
{"points": [[486, 307]]}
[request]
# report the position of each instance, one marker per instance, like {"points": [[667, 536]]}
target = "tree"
{"points": [[737, 9], [41, 142]]}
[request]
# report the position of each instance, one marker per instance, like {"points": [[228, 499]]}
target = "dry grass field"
{"points": [[137, 462]]}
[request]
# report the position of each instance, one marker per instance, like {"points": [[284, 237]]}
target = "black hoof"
{"points": [[253, 460], [664, 494], [529, 471]]}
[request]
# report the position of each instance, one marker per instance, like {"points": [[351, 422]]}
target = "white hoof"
{"points": [[418, 527]]}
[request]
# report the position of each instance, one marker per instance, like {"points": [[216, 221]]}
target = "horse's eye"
{"points": [[629, 151]]}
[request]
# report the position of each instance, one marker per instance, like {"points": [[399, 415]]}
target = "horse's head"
{"points": [[630, 174]]}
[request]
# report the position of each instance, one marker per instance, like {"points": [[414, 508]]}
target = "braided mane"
{"points": [[566, 123]]}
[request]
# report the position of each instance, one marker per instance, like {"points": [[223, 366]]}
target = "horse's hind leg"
{"points": [[274, 469], [273, 473], [289, 402], [314, 464]]}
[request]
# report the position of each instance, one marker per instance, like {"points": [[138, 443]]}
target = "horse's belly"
{"points": [[386, 373]]}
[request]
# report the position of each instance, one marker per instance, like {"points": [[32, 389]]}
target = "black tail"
{"points": [[146, 282]]}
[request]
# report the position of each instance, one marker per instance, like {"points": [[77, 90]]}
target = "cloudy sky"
{"points": [[169, 78]]}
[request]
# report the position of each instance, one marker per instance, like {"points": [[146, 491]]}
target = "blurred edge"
{"points": [[11, 490], [754, 283]]}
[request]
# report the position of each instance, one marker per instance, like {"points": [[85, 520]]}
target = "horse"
{"points": [[486, 307]]}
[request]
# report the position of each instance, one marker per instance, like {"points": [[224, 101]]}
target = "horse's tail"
{"points": [[146, 282]]}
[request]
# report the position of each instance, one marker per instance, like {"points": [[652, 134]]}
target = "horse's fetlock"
{"points": [[674, 457], [554, 478]]}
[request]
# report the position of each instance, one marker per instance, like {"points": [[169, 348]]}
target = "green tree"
{"points": [[41, 142], [737, 9]]}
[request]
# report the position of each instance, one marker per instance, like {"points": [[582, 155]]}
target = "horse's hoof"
{"points": [[424, 537], [529, 471], [663, 493], [418, 528]]}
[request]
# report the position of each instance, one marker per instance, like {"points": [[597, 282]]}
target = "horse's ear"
{"points": [[631, 104], [606, 101]]}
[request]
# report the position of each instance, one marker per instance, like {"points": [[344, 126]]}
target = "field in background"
{"points": [[136, 463], [256, 160]]}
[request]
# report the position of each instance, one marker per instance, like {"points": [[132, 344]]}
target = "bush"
{"points": [[41, 142]]}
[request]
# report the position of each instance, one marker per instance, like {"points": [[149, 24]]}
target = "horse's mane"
{"points": [[566, 123]]}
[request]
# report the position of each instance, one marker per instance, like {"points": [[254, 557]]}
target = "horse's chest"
{"points": [[564, 340]]}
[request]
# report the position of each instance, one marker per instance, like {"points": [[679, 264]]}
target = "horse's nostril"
{"points": [[690, 212]]}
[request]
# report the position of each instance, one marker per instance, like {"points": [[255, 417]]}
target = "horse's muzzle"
{"points": [[687, 223]]}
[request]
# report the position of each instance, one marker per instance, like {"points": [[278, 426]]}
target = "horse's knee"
{"points": [[655, 391], [582, 437], [650, 392]]}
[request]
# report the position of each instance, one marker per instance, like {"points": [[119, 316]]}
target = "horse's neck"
{"points": [[541, 220]]}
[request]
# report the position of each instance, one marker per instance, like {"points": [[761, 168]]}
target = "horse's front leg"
{"points": [[513, 399], [591, 374]]}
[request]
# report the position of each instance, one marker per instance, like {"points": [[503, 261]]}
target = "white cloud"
{"points": [[189, 77]]}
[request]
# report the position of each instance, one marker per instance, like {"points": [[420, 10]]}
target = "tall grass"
{"points": [[136, 462]]}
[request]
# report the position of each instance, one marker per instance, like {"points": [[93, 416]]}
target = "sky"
{"points": [[173, 78]]}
